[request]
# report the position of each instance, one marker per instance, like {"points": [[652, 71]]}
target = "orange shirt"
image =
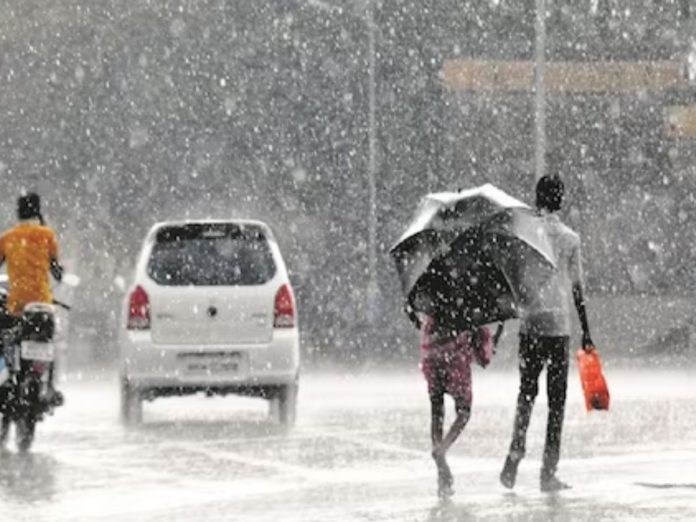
{"points": [[28, 249]]}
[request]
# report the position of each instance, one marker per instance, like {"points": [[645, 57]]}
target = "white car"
{"points": [[210, 310]]}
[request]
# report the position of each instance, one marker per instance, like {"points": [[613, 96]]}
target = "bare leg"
{"points": [[445, 479], [463, 409], [437, 417]]}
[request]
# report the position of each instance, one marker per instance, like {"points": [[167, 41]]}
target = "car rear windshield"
{"points": [[211, 255]]}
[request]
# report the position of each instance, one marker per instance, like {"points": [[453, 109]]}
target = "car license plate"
{"points": [[38, 351], [213, 364]]}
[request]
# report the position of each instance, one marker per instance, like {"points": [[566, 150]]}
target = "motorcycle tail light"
{"points": [[38, 367]]}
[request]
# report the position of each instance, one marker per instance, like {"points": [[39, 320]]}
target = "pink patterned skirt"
{"points": [[446, 363]]}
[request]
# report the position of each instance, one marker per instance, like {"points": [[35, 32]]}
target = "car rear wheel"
{"points": [[131, 403], [287, 404]]}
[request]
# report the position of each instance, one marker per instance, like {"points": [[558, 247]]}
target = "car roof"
{"points": [[180, 223]]}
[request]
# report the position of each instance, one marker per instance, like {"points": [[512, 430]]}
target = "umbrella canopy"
{"points": [[443, 211], [465, 257], [441, 218]]}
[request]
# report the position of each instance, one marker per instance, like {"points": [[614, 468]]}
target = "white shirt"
{"points": [[546, 307]]}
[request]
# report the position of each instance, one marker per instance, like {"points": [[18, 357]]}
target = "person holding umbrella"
{"points": [[459, 262], [544, 338], [446, 360]]}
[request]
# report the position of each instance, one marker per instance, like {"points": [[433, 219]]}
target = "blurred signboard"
{"points": [[680, 121], [563, 77]]}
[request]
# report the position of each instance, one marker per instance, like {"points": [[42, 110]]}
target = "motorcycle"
{"points": [[27, 364]]}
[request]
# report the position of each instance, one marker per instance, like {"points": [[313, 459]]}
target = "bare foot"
{"points": [[445, 480]]}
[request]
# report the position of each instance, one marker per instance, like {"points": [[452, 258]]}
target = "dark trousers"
{"points": [[535, 352]]}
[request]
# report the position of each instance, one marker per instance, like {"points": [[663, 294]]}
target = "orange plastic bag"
{"points": [[594, 386]]}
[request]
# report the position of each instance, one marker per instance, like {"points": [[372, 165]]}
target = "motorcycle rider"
{"points": [[30, 249]]}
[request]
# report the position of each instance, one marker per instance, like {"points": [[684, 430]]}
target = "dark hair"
{"points": [[29, 206], [549, 193]]}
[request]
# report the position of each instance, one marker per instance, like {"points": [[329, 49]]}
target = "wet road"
{"points": [[358, 453]]}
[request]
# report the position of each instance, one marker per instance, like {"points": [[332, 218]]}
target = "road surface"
{"points": [[359, 452]]}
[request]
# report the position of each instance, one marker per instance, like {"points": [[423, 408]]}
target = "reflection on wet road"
{"points": [[358, 452]]}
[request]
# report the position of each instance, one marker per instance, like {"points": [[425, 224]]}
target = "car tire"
{"points": [[131, 403], [287, 404], [4, 429]]}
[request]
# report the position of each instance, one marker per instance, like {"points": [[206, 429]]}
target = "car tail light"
{"points": [[284, 309], [139, 310]]}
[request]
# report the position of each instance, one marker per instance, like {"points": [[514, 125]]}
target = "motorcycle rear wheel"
{"points": [[25, 427], [4, 429], [25, 422]]}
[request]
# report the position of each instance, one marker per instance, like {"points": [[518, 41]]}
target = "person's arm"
{"points": [[481, 345], [579, 298], [56, 268], [412, 315]]}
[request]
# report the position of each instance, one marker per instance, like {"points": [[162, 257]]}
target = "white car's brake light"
{"points": [[284, 309], [139, 310]]}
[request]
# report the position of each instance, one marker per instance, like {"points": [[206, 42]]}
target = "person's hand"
{"points": [[587, 343], [498, 333], [56, 270]]}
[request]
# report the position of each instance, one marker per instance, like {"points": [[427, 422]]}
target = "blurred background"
{"points": [[330, 120]]}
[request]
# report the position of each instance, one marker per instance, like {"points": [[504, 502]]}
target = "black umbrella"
{"points": [[466, 257]]}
